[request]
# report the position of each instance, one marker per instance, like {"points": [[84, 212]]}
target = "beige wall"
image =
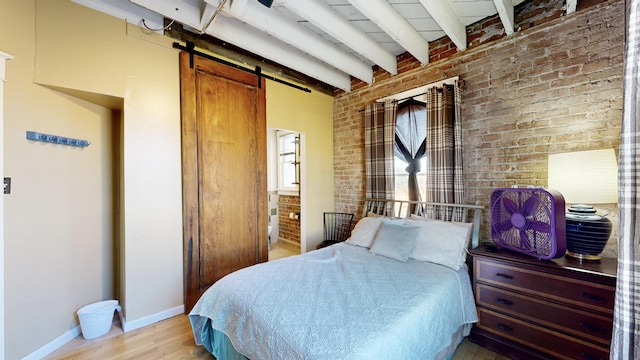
{"points": [[103, 55], [57, 230], [59, 221], [310, 114], [3, 58]]}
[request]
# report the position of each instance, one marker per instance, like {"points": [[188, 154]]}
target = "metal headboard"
{"points": [[439, 211]]}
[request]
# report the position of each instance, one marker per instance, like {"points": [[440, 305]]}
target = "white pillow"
{"points": [[365, 230], [441, 242], [395, 241], [372, 214]]}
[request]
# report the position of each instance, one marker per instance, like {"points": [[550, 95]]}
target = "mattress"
{"points": [[339, 302]]}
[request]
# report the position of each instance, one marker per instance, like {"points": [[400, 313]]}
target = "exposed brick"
{"points": [[547, 89], [491, 21], [288, 229]]}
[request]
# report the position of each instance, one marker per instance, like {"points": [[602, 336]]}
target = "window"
{"points": [[288, 162], [402, 178], [410, 161]]}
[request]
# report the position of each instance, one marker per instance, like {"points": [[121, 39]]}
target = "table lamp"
{"points": [[584, 178]]}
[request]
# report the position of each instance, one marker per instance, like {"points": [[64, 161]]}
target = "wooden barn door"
{"points": [[223, 172]]}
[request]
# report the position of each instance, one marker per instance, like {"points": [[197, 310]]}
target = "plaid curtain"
{"points": [[444, 147], [379, 137], [625, 342]]}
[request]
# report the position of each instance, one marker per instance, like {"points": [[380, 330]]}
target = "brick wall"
{"points": [[553, 86], [288, 229]]}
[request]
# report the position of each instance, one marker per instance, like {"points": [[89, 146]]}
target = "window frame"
{"points": [[294, 187]]}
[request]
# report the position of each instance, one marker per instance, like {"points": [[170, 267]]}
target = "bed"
{"points": [[398, 288]]}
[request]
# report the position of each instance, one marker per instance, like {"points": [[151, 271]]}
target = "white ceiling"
{"points": [[329, 40]]}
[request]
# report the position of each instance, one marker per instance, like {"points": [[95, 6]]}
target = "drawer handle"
{"points": [[504, 327], [591, 327], [504, 276], [584, 355], [592, 297], [504, 301]]}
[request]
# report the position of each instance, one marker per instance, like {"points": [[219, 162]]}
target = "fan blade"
{"points": [[509, 205], [530, 206], [504, 226], [540, 226], [524, 240]]}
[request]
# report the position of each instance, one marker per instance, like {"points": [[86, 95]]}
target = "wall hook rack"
{"points": [[54, 139]]}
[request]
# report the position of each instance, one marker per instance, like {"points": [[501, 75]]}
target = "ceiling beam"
{"points": [[443, 14], [505, 10], [209, 13], [271, 22], [180, 10], [131, 13], [256, 41], [251, 39], [388, 19], [324, 17], [228, 51], [571, 6]]}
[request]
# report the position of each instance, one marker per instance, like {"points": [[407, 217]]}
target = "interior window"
{"points": [[288, 161]]}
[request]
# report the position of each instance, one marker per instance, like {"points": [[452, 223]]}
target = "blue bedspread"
{"points": [[339, 302]]}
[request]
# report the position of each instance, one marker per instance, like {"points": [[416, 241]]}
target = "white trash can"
{"points": [[96, 318]]}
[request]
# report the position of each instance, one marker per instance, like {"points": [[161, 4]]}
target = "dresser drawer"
{"points": [[551, 342], [570, 320], [551, 286]]}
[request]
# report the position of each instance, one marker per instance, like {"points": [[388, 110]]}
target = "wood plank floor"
{"points": [[280, 249], [168, 339], [172, 339]]}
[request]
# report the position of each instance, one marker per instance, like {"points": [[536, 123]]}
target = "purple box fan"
{"points": [[529, 220]]}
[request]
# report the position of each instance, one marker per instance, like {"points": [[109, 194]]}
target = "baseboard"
{"points": [[63, 339], [154, 318], [57, 343]]}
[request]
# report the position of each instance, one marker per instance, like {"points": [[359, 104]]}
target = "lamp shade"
{"points": [[585, 177]]}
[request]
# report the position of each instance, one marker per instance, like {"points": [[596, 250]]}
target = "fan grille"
{"points": [[525, 220]]}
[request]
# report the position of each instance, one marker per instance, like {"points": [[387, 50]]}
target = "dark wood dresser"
{"points": [[537, 309]]}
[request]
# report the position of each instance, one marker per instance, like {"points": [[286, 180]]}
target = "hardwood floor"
{"points": [[281, 249], [167, 340], [470, 351], [172, 339]]}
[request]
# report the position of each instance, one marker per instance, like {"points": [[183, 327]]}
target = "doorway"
{"points": [[284, 163]]}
